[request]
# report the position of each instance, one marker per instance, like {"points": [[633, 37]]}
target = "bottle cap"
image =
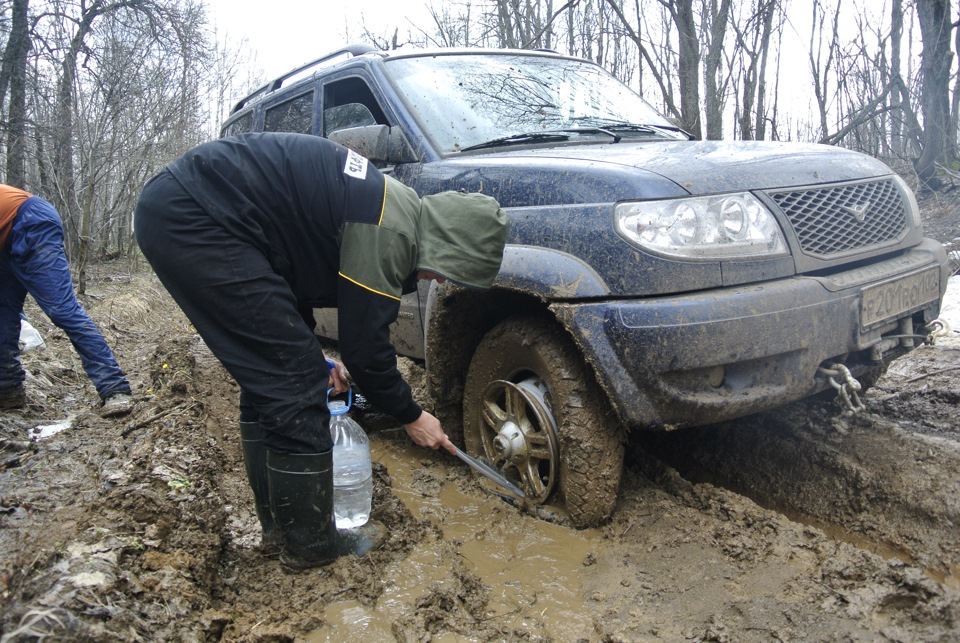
{"points": [[337, 407], [348, 403]]}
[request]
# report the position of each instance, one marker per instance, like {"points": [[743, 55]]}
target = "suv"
{"points": [[650, 281]]}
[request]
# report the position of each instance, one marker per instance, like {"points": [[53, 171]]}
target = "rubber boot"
{"points": [[14, 397], [255, 459], [301, 497]]}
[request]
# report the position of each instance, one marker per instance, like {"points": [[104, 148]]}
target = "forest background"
{"points": [[97, 95]]}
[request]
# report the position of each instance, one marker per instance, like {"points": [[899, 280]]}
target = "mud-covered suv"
{"points": [[650, 281]]}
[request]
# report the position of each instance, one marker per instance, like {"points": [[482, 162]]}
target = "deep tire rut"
{"points": [[863, 480]]}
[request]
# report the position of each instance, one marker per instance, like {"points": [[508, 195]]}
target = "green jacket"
{"points": [[458, 236]]}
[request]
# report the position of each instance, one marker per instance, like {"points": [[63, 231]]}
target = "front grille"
{"points": [[828, 221]]}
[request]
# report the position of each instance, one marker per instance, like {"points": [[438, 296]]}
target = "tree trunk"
{"points": [[935, 62], [714, 57], [821, 68], [768, 11], [897, 97], [13, 74], [83, 243], [953, 132], [505, 25], [689, 65], [63, 153]]}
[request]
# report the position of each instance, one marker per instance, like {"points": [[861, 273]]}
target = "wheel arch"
{"points": [[531, 278], [457, 320]]}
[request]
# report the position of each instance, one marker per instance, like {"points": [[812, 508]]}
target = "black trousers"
{"points": [[244, 311]]}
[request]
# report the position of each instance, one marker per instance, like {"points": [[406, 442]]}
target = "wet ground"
{"points": [[797, 525]]}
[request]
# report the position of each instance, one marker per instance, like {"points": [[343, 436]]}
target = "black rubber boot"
{"points": [[301, 497], [14, 397], [255, 459]]}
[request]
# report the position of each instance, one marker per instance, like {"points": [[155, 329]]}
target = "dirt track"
{"points": [[796, 525]]}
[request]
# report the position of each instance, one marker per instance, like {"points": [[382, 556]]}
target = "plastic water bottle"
{"points": [[352, 473]]}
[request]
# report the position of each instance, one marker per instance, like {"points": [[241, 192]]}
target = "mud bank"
{"points": [[800, 524]]}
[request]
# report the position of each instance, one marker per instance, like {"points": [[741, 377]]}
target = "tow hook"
{"points": [[846, 385], [936, 328]]}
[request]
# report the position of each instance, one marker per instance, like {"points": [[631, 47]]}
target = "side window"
{"points": [[240, 126], [350, 103], [294, 115], [345, 116]]}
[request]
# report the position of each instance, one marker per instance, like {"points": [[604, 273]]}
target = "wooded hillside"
{"points": [[97, 95]]}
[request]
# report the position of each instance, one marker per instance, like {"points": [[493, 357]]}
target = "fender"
{"points": [[548, 274], [529, 278]]}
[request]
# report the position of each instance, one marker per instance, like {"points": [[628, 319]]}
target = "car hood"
{"points": [[703, 167]]}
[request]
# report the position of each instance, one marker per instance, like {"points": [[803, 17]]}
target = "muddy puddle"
{"points": [[532, 567]]}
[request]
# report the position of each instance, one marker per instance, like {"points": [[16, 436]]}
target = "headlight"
{"points": [[722, 226]]}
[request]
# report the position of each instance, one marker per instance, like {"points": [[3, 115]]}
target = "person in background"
{"points": [[249, 233], [33, 260]]}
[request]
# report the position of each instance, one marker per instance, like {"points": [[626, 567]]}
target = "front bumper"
{"points": [[721, 354]]}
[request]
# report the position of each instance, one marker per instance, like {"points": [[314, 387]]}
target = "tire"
{"points": [[528, 385]]}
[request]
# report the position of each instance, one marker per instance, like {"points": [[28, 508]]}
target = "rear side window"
{"points": [[294, 115], [242, 125]]}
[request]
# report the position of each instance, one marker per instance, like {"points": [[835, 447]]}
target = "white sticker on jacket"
{"points": [[356, 165]]}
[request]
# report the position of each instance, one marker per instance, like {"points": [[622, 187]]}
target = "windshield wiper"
{"points": [[651, 129], [646, 128], [543, 136], [513, 139], [594, 130]]}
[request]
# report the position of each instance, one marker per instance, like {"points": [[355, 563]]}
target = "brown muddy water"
{"points": [[527, 561]]}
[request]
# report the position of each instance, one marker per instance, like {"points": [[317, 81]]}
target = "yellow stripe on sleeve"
{"points": [[353, 281]]}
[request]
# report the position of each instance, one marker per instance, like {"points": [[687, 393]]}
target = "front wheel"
{"points": [[534, 410]]}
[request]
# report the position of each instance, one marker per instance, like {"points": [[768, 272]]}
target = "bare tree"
{"points": [[85, 79], [824, 49], [717, 19], [162, 24], [768, 12], [233, 72], [13, 75], [658, 66], [452, 30], [127, 104], [936, 61], [953, 133], [898, 94], [688, 56]]}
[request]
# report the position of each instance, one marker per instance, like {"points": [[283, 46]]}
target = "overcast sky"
{"points": [[285, 34], [288, 33]]}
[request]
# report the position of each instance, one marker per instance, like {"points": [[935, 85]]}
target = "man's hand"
{"points": [[427, 432], [339, 378]]}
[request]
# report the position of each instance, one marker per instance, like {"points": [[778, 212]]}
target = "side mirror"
{"points": [[377, 143]]}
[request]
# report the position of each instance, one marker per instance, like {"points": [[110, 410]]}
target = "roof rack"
{"points": [[277, 83]]}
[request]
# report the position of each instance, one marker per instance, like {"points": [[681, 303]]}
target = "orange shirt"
{"points": [[10, 200]]}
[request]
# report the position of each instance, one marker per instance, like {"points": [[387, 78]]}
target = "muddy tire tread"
{"points": [[591, 440]]}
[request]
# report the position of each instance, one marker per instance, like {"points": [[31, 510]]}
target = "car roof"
{"points": [[342, 56]]}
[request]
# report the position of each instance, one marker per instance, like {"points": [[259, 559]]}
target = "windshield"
{"points": [[465, 100]]}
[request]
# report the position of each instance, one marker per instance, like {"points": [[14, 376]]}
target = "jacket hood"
{"points": [[462, 237]]}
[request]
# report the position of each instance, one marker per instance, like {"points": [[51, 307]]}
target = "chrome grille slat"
{"points": [[825, 219]]}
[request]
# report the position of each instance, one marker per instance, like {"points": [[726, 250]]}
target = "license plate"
{"points": [[895, 298]]}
